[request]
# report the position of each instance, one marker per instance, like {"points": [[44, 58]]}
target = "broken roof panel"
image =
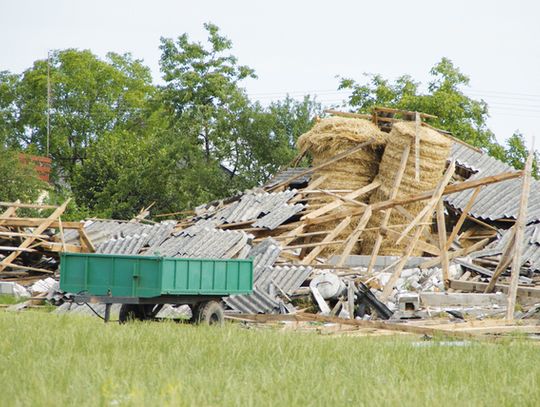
{"points": [[252, 205], [495, 201]]}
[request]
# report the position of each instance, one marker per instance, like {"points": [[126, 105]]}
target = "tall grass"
{"points": [[72, 360]]}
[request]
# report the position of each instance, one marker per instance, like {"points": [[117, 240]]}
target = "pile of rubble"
{"points": [[394, 220]]}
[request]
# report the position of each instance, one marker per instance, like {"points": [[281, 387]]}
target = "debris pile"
{"points": [[394, 219]]}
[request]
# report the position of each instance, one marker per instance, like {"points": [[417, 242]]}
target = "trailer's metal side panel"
{"points": [[152, 276]]}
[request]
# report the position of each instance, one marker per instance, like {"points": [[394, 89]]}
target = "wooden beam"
{"points": [[323, 165], [417, 147], [476, 286], [441, 229], [292, 235], [29, 240], [336, 203], [430, 206], [15, 248], [406, 112], [58, 247], [25, 205], [386, 218], [458, 253], [518, 237], [8, 213], [412, 243], [36, 222], [462, 217], [504, 262], [315, 244], [329, 238], [348, 114], [354, 236], [424, 246], [19, 267], [450, 189]]}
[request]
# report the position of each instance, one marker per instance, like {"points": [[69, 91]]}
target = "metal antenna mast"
{"points": [[48, 100]]}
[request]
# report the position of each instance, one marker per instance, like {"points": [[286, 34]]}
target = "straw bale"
{"points": [[330, 137], [434, 152]]}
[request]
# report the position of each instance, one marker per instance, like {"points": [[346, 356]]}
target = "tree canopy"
{"points": [[120, 142]]}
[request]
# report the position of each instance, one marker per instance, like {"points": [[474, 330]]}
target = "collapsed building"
{"points": [[393, 219]]}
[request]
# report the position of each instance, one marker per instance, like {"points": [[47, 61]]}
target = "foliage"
{"points": [[89, 97], [463, 116], [516, 153], [19, 181]]}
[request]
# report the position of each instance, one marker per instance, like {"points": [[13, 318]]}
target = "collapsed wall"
{"points": [[434, 151], [328, 138]]}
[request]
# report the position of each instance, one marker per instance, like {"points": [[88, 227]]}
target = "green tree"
{"points": [[461, 115], [516, 153], [89, 97], [19, 181]]}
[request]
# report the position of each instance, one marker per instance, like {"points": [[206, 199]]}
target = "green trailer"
{"points": [[143, 284]]}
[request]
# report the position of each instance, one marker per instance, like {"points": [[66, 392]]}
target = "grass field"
{"points": [[50, 360]]}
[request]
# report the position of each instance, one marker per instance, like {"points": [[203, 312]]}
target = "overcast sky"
{"points": [[299, 47]]}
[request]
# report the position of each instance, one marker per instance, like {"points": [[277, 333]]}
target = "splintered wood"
{"points": [[33, 235]]}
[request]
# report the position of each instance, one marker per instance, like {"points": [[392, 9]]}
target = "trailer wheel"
{"points": [[131, 312], [209, 313]]}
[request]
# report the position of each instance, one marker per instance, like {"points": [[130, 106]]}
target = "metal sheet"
{"points": [[495, 201]]}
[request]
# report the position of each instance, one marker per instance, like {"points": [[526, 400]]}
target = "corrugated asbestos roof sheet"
{"points": [[495, 201], [122, 237], [252, 205], [286, 174], [531, 246], [268, 280], [202, 241]]}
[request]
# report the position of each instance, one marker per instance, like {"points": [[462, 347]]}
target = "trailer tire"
{"points": [[130, 312], [209, 313]]}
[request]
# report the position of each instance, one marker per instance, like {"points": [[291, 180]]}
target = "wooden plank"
{"points": [[20, 234], [35, 222], [25, 205], [15, 248], [430, 206], [86, 241], [348, 114], [462, 217], [518, 237], [40, 229], [386, 218], [504, 262], [441, 229], [292, 235], [406, 112], [450, 189], [314, 184], [476, 286], [8, 213], [355, 235], [391, 326], [323, 165], [19, 267], [58, 247], [61, 234], [387, 290], [337, 203], [416, 147], [315, 244], [458, 253], [329, 238], [424, 246]]}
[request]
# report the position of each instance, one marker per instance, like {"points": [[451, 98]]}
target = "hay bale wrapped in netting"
{"points": [[434, 152], [328, 138]]}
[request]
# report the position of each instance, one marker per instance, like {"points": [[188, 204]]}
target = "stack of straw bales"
{"points": [[330, 137], [434, 151]]}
